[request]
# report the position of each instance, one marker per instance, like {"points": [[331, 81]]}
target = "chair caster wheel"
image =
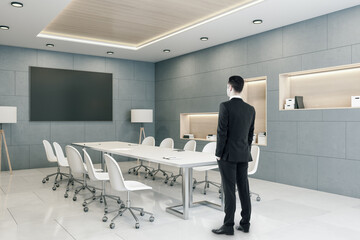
{"points": [[57, 185], [105, 211], [219, 190], [172, 184], [137, 225], [122, 205], [118, 201], [151, 218], [104, 219], [136, 173], [66, 195], [60, 177], [153, 178], [208, 185], [53, 188], [194, 187], [83, 188], [112, 225], [43, 181], [94, 198], [164, 174], [101, 201], [204, 193], [86, 209], [165, 181], [129, 172], [84, 204], [72, 183], [146, 176], [47, 179], [142, 213], [258, 199], [74, 199]]}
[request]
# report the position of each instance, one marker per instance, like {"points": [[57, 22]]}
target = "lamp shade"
{"points": [[8, 114], [141, 115]]}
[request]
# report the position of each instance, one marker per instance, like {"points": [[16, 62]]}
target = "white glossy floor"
{"points": [[32, 210]]}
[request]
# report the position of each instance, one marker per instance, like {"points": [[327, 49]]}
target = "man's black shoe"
{"points": [[224, 230], [243, 228]]}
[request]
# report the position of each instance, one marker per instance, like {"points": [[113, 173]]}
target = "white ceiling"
{"points": [[27, 22]]}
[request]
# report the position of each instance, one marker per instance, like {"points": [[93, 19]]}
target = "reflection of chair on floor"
{"points": [[77, 166], [166, 143], [52, 158], [189, 146], [117, 183], [209, 148], [149, 141], [97, 176], [253, 166]]}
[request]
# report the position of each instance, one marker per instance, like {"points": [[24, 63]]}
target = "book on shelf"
{"points": [[299, 102]]}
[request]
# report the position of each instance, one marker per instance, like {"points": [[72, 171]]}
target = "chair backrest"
{"points": [[75, 160], [190, 146], [49, 152], [149, 141], [90, 166], [255, 154], [210, 148], [116, 178], [60, 155], [167, 143]]}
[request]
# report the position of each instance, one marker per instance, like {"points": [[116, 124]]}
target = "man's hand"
{"points": [[218, 158]]}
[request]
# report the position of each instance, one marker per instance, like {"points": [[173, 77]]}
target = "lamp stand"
{"points": [[142, 133], [2, 135]]}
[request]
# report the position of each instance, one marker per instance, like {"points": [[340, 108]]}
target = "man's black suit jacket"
{"points": [[235, 131]]}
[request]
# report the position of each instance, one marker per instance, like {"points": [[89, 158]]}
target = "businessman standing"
{"points": [[233, 152]]}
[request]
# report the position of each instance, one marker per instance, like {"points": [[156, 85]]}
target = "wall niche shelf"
{"points": [[325, 88], [202, 124]]}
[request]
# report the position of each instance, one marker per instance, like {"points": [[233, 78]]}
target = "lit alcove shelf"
{"points": [[325, 88], [203, 124]]}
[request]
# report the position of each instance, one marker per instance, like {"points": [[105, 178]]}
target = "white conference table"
{"points": [[171, 157]]}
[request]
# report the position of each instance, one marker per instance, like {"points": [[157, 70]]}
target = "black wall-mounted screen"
{"points": [[68, 95]]}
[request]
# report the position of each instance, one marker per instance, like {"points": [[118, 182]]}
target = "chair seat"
{"points": [[205, 168], [64, 164], [135, 186], [96, 169], [102, 176]]}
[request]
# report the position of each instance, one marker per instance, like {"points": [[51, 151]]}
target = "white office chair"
{"points": [[77, 166], [97, 176], [52, 158], [118, 183], [148, 141], [63, 162], [209, 148], [166, 143], [253, 166], [189, 146]]}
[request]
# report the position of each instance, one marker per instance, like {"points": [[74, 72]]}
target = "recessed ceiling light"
{"points": [[3, 27], [110, 52], [17, 4], [166, 50], [50, 45], [204, 38], [257, 21]]}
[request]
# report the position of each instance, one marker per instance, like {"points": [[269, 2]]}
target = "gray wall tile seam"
{"points": [[172, 99], [308, 155], [327, 31]]}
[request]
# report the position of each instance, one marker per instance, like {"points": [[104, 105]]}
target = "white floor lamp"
{"points": [[141, 116], [7, 115]]}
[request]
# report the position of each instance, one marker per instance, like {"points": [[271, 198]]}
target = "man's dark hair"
{"points": [[237, 83]]}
